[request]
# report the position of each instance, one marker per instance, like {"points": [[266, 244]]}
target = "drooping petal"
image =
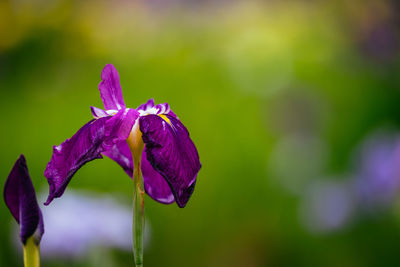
{"points": [[20, 198], [172, 153], [110, 89], [72, 154], [87, 144], [154, 184], [121, 154]]}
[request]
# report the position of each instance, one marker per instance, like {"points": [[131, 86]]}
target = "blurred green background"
{"points": [[293, 106]]}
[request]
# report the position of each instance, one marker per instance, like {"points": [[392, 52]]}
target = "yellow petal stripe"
{"points": [[166, 119]]}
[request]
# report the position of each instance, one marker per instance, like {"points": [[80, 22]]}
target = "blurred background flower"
{"points": [[287, 102], [84, 220], [328, 205], [378, 178]]}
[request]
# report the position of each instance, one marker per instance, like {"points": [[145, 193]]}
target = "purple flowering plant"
{"points": [[150, 143], [20, 198]]}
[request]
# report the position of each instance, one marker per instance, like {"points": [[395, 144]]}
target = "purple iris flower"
{"points": [[169, 162], [20, 198]]}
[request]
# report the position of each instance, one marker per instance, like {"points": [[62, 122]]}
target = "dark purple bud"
{"points": [[20, 198]]}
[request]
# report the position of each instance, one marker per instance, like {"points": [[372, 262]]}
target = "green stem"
{"points": [[31, 253], [138, 216]]}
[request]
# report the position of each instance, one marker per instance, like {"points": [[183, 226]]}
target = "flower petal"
{"points": [[110, 88], [154, 184], [98, 112], [165, 109], [72, 154], [20, 198], [172, 153], [87, 144], [121, 154], [147, 105]]}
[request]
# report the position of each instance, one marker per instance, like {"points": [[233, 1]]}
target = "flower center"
{"points": [[135, 140], [111, 112], [135, 143]]}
